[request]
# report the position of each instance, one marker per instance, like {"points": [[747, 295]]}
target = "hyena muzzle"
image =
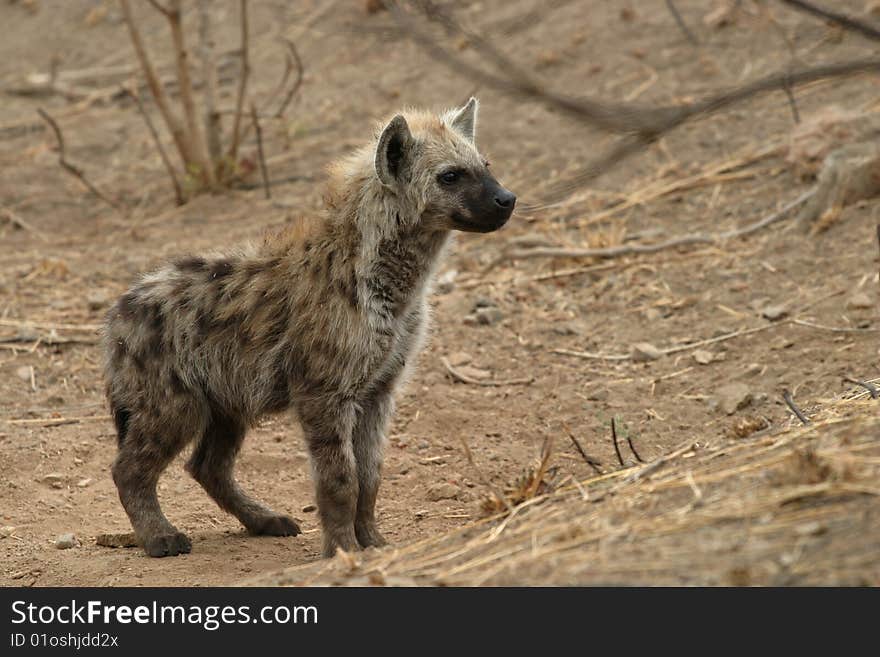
{"points": [[325, 319]]}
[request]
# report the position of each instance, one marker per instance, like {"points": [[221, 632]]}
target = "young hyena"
{"points": [[323, 319]]}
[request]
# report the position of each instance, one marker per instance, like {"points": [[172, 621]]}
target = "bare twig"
{"points": [[632, 448], [683, 240], [681, 24], [242, 80], [293, 55], [844, 21], [834, 329], [178, 192], [181, 139], [867, 385], [485, 480], [263, 172], [71, 168], [593, 463], [614, 440], [786, 395], [464, 378], [209, 73], [190, 114], [16, 220]]}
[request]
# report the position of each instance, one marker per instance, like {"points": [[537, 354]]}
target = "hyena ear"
{"points": [[393, 150], [464, 121]]}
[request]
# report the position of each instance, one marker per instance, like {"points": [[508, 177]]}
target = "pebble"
{"points": [[598, 395], [309, 508], [24, 373], [54, 479], [83, 483], [65, 541], [645, 351], [703, 357], [6, 530], [488, 316], [860, 300], [443, 491], [733, 397], [774, 312], [460, 358]]}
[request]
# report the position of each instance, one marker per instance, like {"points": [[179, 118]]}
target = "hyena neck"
{"points": [[397, 258]]}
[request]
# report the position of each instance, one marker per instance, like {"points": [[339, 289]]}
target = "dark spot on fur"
{"points": [[127, 305], [221, 268], [191, 264], [177, 384]]}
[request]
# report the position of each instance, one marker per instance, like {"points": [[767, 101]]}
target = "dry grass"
{"points": [[792, 508]]}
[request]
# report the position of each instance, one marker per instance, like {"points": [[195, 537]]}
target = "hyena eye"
{"points": [[449, 177]]}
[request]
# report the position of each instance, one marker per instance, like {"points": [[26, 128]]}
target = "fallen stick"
{"points": [[47, 421], [684, 240], [477, 382]]}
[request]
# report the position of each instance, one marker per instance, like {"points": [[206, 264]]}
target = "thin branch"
{"points": [[194, 128], [867, 385], [16, 220], [786, 395], [72, 169], [614, 440], [242, 80], [464, 378], [178, 192], [293, 55], [681, 24], [684, 240], [181, 140], [263, 172], [209, 73], [844, 21], [593, 463]]}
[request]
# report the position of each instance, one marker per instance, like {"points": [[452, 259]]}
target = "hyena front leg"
{"points": [[369, 445], [211, 464], [140, 461], [328, 429]]}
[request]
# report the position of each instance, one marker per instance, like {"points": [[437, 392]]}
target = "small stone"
{"points": [[754, 368], [98, 300], [474, 373], [645, 351], [6, 530], [469, 320], [567, 328], [703, 357], [811, 529], [443, 491], [488, 316], [860, 301], [65, 541], [774, 312], [83, 483], [598, 395], [483, 302], [733, 397], [126, 540], [23, 373], [309, 508], [459, 358], [782, 343]]}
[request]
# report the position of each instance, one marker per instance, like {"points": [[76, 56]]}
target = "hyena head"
{"points": [[432, 167]]}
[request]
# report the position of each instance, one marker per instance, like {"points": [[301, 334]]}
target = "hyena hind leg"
{"points": [[139, 464], [211, 464]]}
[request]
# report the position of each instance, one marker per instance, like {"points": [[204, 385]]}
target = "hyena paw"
{"points": [[167, 545], [369, 536], [275, 526]]}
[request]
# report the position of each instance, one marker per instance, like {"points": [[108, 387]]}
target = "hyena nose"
{"points": [[505, 199]]}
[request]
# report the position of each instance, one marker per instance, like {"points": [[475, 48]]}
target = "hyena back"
{"points": [[324, 319]]}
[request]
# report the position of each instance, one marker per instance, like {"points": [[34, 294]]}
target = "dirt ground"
{"points": [[71, 255]]}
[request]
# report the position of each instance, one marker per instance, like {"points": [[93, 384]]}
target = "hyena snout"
{"points": [[486, 210]]}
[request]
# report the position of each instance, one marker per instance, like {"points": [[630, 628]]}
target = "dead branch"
{"points": [[16, 220], [242, 81], [181, 139], [263, 172], [209, 73], [464, 378], [178, 192], [684, 240], [844, 21], [593, 463], [681, 24], [194, 129], [72, 169], [786, 396], [292, 57]]}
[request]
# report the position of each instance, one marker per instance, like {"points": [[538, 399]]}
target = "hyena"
{"points": [[325, 318]]}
